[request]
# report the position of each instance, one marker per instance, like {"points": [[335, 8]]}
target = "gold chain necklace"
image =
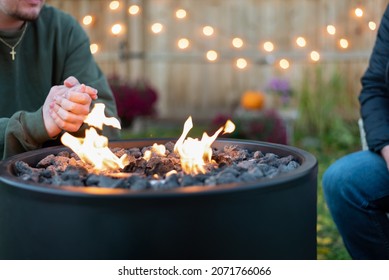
{"points": [[12, 52]]}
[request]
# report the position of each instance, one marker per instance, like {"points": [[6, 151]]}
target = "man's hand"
{"points": [[67, 106], [385, 155]]}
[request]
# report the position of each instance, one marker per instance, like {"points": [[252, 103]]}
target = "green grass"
{"points": [[329, 243], [339, 139]]}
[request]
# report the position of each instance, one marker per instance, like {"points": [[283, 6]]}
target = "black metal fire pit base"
{"points": [[267, 219]]}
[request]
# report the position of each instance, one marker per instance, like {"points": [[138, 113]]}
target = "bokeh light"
{"points": [[134, 10], [301, 42], [208, 30], [116, 29], [212, 55], [268, 46], [241, 63], [183, 43], [157, 27], [331, 29], [284, 64], [114, 5], [94, 48], [181, 13], [315, 56], [237, 42]]}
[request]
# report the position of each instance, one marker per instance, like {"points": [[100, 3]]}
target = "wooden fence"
{"points": [[188, 83]]}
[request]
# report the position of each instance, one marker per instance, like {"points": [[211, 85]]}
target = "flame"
{"points": [[194, 153], [93, 149], [97, 118], [157, 149]]}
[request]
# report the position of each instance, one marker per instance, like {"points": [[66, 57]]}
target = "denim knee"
{"points": [[356, 179]]}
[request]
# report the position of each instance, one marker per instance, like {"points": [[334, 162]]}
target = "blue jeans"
{"points": [[356, 190]]}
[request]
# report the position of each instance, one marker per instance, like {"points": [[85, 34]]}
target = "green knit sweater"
{"points": [[53, 48]]}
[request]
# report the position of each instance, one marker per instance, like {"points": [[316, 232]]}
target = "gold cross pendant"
{"points": [[13, 53]]}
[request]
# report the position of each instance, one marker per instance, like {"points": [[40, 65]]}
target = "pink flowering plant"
{"points": [[133, 99], [282, 91]]}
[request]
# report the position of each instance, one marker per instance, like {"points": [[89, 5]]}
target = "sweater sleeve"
{"points": [[23, 131], [374, 97]]}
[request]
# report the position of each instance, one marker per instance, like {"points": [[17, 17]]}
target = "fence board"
{"points": [[188, 84]]}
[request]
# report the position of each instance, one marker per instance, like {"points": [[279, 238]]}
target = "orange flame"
{"points": [[158, 149], [93, 149], [194, 153]]}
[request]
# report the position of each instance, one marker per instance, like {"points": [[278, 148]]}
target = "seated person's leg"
{"points": [[356, 189]]}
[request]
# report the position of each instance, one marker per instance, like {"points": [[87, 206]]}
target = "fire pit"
{"points": [[266, 219]]}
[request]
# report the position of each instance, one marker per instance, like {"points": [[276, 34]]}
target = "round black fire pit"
{"points": [[265, 219]]}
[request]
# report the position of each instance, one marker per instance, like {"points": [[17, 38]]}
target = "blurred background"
{"points": [[285, 71]]}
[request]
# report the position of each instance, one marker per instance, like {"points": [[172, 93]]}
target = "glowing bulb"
{"points": [[94, 48], [372, 25], [157, 28], [183, 43], [268, 46], [358, 12], [114, 5], [87, 20], [315, 56], [343, 43], [116, 29], [212, 55], [180, 13], [134, 10], [331, 29], [241, 63], [284, 64], [208, 30], [301, 42], [237, 42]]}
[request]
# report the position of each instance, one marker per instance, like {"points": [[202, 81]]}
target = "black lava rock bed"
{"points": [[232, 164]]}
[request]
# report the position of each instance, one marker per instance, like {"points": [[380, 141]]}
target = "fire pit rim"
{"points": [[309, 162]]}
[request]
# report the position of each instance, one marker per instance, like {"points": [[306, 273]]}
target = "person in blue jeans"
{"points": [[356, 186]]}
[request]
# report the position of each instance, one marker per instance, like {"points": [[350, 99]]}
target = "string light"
{"points": [[237, 42], [183, 43], [241, 63], [358, 12], [212, 55], [343, 43], [268, 46], [157, 28], [134, 10], [284, 64], [87, 20], [331, 29], [301, 42], [114, 5], [208, 30], [315, 56], [372, 25], [180, 14], [94, 48], [116, 29]]}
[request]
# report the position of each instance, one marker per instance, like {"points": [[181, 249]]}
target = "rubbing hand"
{"points": [[67, 106], [72, 82]]}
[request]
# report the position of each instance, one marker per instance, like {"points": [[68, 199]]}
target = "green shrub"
{"points": [[325, 111]]}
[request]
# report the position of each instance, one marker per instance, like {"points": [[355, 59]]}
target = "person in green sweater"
{"points": [[48, 77]]}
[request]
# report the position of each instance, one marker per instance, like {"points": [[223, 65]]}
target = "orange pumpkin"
{"points": [[252, 100]]}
